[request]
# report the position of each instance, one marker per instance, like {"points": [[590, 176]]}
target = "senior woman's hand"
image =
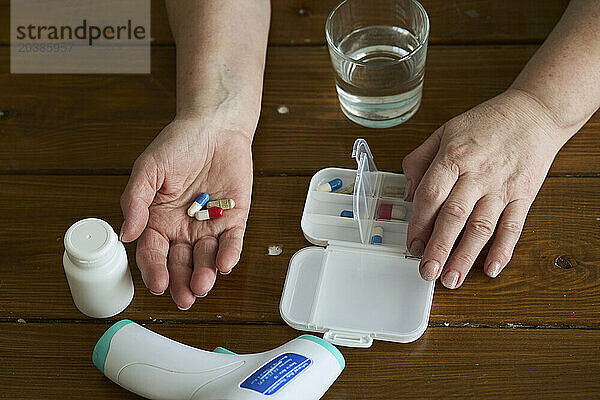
{"points": [[188, 157], [206, 148], [482, 170], [479, 172]]}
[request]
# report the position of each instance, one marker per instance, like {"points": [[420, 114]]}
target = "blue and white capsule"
{"points": [[377, 237], [347, 214], [331, 186], [198, 204]]}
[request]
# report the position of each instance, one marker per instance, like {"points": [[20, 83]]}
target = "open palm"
{"points": [[187, 158]]}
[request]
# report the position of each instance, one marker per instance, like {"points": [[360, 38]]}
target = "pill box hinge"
{"points": [[350, 339]]}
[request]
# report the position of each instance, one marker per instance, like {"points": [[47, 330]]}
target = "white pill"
{"points": [[225, 204]]}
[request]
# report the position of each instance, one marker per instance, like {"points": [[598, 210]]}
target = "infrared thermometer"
{"points": [[157, 367]]}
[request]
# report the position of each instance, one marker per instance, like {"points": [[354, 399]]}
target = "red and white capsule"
{"points": [[392, 211], [210, 213]]}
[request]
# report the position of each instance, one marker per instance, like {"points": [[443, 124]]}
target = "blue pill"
{"points": [[198, 204], [331, 186], [347, 214], [202, 199], [376, 239], [335, 184]]}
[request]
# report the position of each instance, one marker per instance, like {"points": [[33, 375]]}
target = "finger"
{"points": [[508, 232], [180, 270], [415, 164], [205, 272], [151, 259], [429, 196], [230, 249], [479, 229], [449, 222], [137, 198]]}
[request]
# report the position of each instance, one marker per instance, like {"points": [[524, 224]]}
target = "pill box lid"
{"points": [[364, 187], [354, 295], [351, 291]]}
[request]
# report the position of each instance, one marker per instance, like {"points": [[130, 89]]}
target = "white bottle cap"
{"points": [[95, 264], [90, 240]]}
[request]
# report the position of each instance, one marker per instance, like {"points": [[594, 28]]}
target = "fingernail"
{"points": [[226, 273], [184, 309], [407, 188], [494, 269], [121, 234], [430, 270], [157, 294], [450, 279], [201, 295], [417, 247]]}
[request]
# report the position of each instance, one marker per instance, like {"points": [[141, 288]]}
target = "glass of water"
{"points": [[378, 50]]}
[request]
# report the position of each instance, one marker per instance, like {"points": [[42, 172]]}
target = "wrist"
{"points": [[219, 108], [222, 89], [551, 122], [216, 123], [230, 117]]}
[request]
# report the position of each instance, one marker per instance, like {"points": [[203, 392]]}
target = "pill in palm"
{"points": [[225, 204], [377, 237], [330, 186], [391, 211], [210, 213], [198, 204]]}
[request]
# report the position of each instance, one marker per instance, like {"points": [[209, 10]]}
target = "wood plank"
{"points": [[460, 21], [99, 124], [36, 211], [45, 360]]}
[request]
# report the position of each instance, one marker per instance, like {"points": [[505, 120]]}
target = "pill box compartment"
{"points": [[345, 287]]}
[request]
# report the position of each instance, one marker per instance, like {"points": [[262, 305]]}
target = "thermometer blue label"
{"points": [[272, 376]]}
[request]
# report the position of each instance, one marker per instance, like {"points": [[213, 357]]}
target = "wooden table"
{"points": [[67, 143]]}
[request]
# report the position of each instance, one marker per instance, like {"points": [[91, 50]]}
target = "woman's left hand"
{"points": [[479, 172]]}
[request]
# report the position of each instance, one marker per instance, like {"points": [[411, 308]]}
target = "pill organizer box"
{"points": [[345, 287]]}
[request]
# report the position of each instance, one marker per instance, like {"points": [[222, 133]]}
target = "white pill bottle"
{"points": [[95, 264]]}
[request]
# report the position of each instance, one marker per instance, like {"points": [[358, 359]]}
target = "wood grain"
{"points": [[456, 22], [532, 291], [302, 22], [53, 361], [67, 143], [94, 124]]}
